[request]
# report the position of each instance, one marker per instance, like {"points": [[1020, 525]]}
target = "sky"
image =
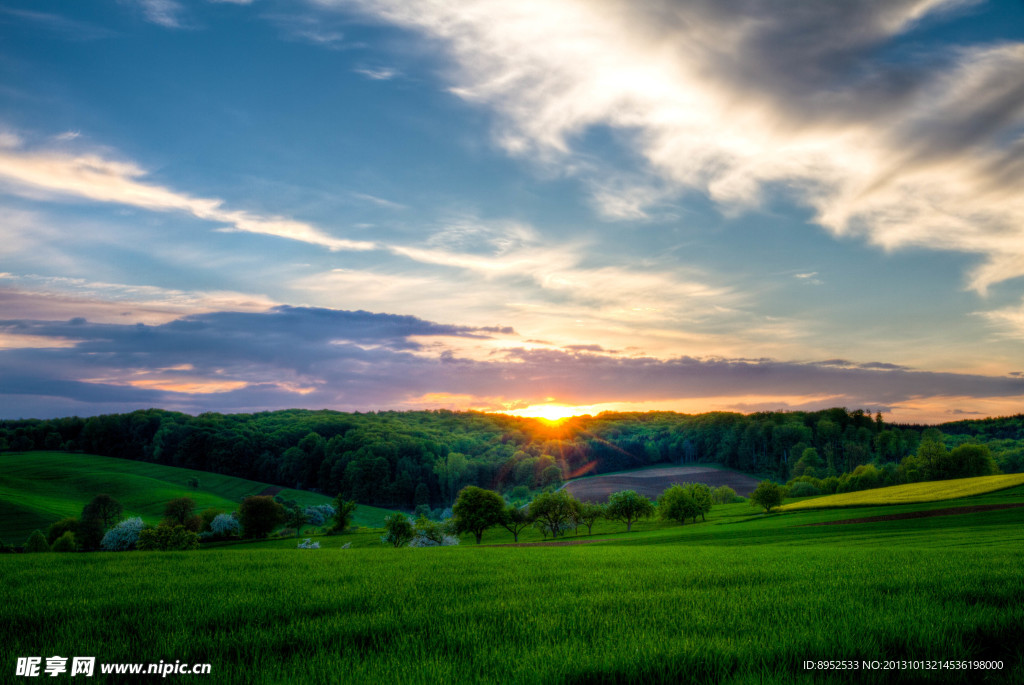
{"points": [[540, 207]]}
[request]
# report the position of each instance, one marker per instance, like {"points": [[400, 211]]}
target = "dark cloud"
{"points": [[316, 358]]}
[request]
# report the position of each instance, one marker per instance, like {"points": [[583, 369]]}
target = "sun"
{"points": [[552, 413]]}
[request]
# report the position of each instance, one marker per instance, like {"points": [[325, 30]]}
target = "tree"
{"points": [[193, 483], [701, 495], [225, 526], [515, 520], [296, 518], [259, 515], [476, 510], [207, 516], [676, 504], [553, 510], [968, 461], [104, 508], [343, 511], [628, 506], [767, 495], [178, 512], [398, 530], [588, 513], [36, 542], [99, 514]]}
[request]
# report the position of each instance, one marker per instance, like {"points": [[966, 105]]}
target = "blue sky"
{"points": [[361, 205]]}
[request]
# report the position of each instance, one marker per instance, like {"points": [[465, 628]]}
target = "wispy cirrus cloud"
{"points": [[906, 150], [46, 173]]}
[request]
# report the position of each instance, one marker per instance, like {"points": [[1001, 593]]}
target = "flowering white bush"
{"points": [[309, 544], [424, 541], [123, 536], [225, 525], [320, 514]]}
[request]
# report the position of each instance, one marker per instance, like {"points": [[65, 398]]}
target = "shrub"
{"points": [[207, 516], [676, 504], [723, 494], [65, 543], [259, 516], [320, 514], [309, 544], [803, 489], [225, 526], [166, 538], [58, 529], [36, 542], [123, 536]]}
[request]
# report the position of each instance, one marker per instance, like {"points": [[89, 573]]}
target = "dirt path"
{"points": [[951, 511]]}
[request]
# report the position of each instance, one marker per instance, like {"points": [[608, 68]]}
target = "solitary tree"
{"points": [[628, 506], [259, 515], [553, 510], [398, 530], [515, 520], [767, 495], [701, 495], [476, 510], [343, 511]]}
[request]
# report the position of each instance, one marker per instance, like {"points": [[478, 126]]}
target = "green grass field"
{"points": [[38, 488], [741, 598]]}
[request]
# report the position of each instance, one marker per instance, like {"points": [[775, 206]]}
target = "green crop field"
{"points": [[931, 491], [741, 598], [38, 488]]}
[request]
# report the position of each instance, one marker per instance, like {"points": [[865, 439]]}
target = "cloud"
{"points": [[357, 360], [166, 13], [91, 176], [378, 73], [829, 103], [307, 29]]}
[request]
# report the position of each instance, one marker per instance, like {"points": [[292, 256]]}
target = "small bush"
{"points": [[65, 543], [123, 536], [165, 538], [309, 544], [60, 527]]}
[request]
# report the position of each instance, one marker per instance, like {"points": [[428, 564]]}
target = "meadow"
{"points": [[741, 598], [38, 488]]}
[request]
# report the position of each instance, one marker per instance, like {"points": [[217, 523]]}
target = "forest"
{"points": [[412, 458]]}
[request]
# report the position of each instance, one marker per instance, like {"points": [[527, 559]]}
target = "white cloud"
{"points": [[91, 176], [166, 13], [737, 99], [378, 73]]}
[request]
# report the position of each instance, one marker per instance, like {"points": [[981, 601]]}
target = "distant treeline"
{"points": [[404, 459]]}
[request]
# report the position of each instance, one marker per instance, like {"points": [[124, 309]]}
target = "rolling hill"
{"points": [[38, 488]]}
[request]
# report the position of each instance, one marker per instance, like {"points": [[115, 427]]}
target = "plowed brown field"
{"points": [[652, 482]]}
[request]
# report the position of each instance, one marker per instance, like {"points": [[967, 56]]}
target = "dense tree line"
{"points": [[409, 459]]}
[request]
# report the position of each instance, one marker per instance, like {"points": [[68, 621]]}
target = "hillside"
{"points": [[929, 491], [38, 488]]}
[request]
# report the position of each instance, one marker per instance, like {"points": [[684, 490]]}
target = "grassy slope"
{"points": [[38, 488], [742, 597], [930, 491]]}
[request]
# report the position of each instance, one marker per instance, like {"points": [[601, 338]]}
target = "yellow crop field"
{"points": [[931, 491]]}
